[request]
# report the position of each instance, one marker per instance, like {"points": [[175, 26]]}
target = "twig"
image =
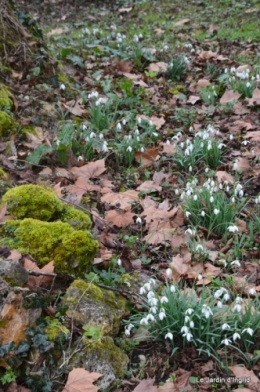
{"points": [[37, 273], [227, 246]]}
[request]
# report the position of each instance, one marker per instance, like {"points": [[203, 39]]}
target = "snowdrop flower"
{"points": [[226, 342], [189, 311], [187, 319], [233, 200], [164, 300], [236, 262], [195, 197], [172, 289], [226, 297], [206, 170], [142, 149], [236, 336], [147, 286], [190, 169], [245, 142], [150, 317], [80, 158], [153, 301], [188, 193], [188, 336], [124, 121], [92, 134], [161, 315], [237, 308], [62, 87], [142, 290], [216, 211], [203, 213], [199, 247], [232, 229], [138, 220], [191, 324], [143, 321], [169, 335], [136, 38], [219, 304], [231, 137], [190, 232], [199, 277], [58, 142], [150, 123], [129, 148], [239, 300], [218, 293], [227, 189], [225, 326], [153, 309], [150, 294], [250, 331], [222, 262], [187, 214], [206, 310], [168, 272], [139, 120], [104, 147], [221, 145], [252, 291], [241, 193], [84, 127], [185, 329], [177, 191], [119, 127], [211, 199]]}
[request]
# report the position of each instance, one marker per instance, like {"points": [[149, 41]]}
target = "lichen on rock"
{"points": [[89, 304]]}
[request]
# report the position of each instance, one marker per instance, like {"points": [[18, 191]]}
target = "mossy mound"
{"points": [[37, 202], [7, 124], [5, 100], [72, 250], [55, 329]]}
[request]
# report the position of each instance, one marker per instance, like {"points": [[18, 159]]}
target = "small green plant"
{"points": [[209, 94], [185, 117], [177, 67], [8, 377], [92, 332]]}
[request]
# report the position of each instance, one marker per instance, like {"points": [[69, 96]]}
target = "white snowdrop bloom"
{"points": [[176, 191], [150, 317], [233, 229], [101, 136], [84, 127], [203, 213], [92, 135], [164, 299], [241, 193], [119, 262], [58, 142], [190, 232], [104, 147], [218, 293], [150, 294], [161, 315], [222, 262], [150, 123], [220, 186], [209, 97], [189, 311], [236, 336], [139, 120], [231, 137], [80, 158], [191, 324], [239, 300], [169, 335], [119, 127], [191, 129], [62, 87], [245, 142], [187, 214], [209, 146], [187, 152], [136, 38], [211, 199], [188, 193], [219, 304], [199, 247], [181, 144], [165, 47], [237, 308], [227, 189], [226, 297], [155, 134], [142, 290], [124, 121], [168, 272], [188, 336], [172, 289], [187, 319], [232, 69], [153, 309], [144, 321], [250, 331], [129, 148], [206, 310], [138, 220], [226, 342], [190, 169], [252, 291], [199, 277], [233, 200], [216, 211], [142, 149], [201, 145], [226, 70], [212, 183], [147, 286], [138, 138], [225, 326], [195, 197], [221, 145], [236, 262], [184, 329], [168, 142]]}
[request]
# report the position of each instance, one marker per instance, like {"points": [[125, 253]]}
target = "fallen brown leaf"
{"points": [[81, 380]]}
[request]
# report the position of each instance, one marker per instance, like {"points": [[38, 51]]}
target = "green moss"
{"points": [[71, 250], [105, 350], [7, 124], [28, 129], [5, 101], [3, 174], [55, 329], [37, 202]]}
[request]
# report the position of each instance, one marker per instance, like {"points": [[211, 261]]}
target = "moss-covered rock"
{"points": [[101, 356], [55, 329], [5, 101], [71, 250], [38, 202], [95, 306], [7, 124]]}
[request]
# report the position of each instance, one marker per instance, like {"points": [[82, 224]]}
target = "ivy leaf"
{"points": [[38, 153]]}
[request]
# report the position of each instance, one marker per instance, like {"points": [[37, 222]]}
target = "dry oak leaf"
{"points": [[229, 96], [150, 186], [37, 281], [168, 149], [181, 22], [242, 372], [254, 136], [148, 157], [81, 380], [159, 31], [77, 110], [193, 99], [180, 265], [146, 386], [121, 199], [90, 170], [119, 218], [255, 100], [224, 176], [206, 55], [241, 164], [160, 236], [158, 67]]}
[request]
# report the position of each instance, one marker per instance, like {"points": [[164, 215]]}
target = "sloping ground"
{"points": [[151, 124]]}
